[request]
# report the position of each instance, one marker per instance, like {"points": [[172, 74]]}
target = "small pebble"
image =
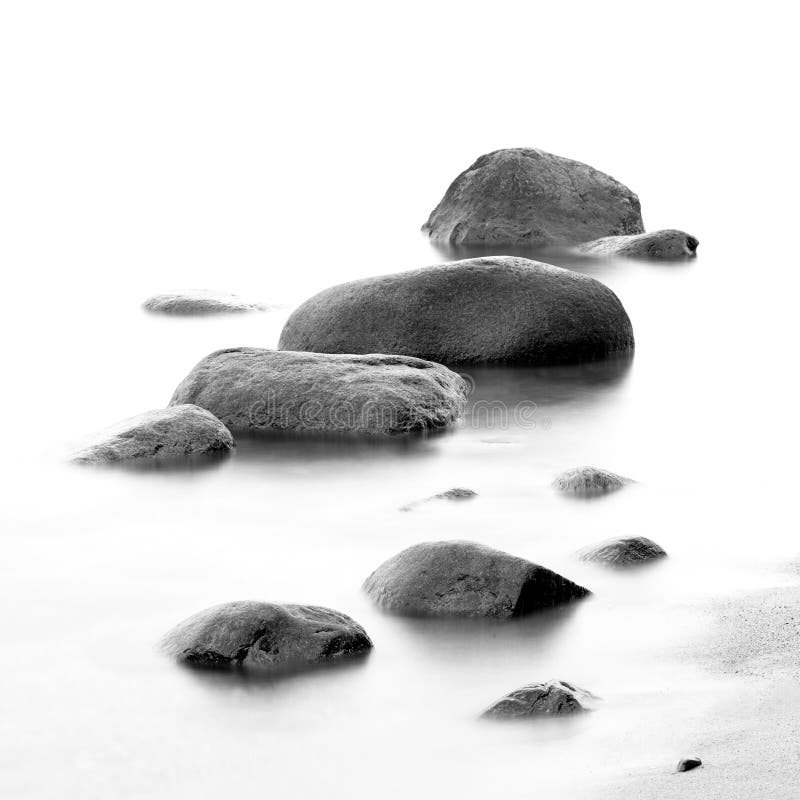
{"points": [[685, 764]]}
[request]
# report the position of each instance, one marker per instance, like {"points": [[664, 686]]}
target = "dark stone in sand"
{"points": [[199, 303], [523, 196], [667, 245], [624, 552], [250, 388], [467, 579], [451, 494], [686, 764], [182, 430], [589, 481], [500, 309], [554, 698], [272, 636]]}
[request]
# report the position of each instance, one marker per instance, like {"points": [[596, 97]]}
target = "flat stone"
{"points": [[200, 303], [666, 245], [457, 493]]}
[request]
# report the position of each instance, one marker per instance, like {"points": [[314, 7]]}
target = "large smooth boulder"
{"points": [[271, 636], [200, 303], [666, 245], [527, 197], [269, 390], [554, 698], [625, 552], [589, 481], [500, 309], [466, 579], [182, 430]]}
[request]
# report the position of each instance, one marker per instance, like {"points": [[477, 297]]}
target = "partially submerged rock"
{"points": [[589, 481], [554, 698], [182, 430], [456, 493], [199, 303], [524, 196], [267, 636], [687, 764], [624, 552], [666, 245], [467, 579], [272, 390], [500, 309]]}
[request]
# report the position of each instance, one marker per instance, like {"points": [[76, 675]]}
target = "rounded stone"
{"points": [[553, 698], [666, 245], [589, 481], [624, 552]]}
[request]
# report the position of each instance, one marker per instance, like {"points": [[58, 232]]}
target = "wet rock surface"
{"points": [[666, 245], [272, 390], [553, 698], [181, 430], [589, 481], [500, 309], [265, 636], [460, 578]]}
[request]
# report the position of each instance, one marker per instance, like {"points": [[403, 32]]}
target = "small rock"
{"points": [[182, 430], [666, 245], [450, 494], [554, 698], [458, 578], [266, 636], [199, 303], [589, 481], [686, 764], [623, 552]]}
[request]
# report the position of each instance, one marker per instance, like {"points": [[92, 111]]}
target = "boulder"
{"points": [[667, 245], [271, 390], [451, 494], [182, 430], [199, 303], [527, 197], [686, 764], [623, 552], [499, 309], [589, 481], [466, 579], [270, 636], [554, 698]]}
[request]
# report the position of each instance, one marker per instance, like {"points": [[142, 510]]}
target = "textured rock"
{"points": [[686, 764], [182, 430], [466, 579], [500, 309], [554, 698], [199, 303], [271, 636], [451, 494], [589, 481], [623, 552], [667, 245], [523, 196], [249, 388]]}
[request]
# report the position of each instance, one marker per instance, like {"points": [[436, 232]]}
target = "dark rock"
{"points": [[523, 196], [686, 764], [199, 303], [554, 698], [667, 245], [624, 552], [271, 636], [249, 388], [450, 494], [467, 579], [181, 430], [589, 481], [500, 309]]}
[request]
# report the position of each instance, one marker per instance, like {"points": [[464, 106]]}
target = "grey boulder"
{"points": [[457, 493], [267, 636], [554, 698], [527, 197], [459, 578], [272, 390], [182, 430], [624, 552], [589, 481], [200, 303], [666, 245], [499, 309]]}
